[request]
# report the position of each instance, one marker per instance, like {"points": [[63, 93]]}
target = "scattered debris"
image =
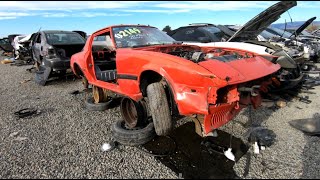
{"points": [[30, 69], [24, 81], [267, 104], [310, 126], [261, 135], [256, 149], [13, 134], [26, 112], [20, 139], [213, 133], [228, 153], [281, 103], [108, 146], [6, 61], [75, 92]]}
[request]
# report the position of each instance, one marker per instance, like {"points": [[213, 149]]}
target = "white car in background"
{"points": [[16, 45]]}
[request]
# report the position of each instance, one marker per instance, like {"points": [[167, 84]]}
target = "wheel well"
{"points": [[146, 78], [149, 77], [78, 72]]}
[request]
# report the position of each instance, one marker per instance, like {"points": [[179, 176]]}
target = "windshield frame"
{"points": [[112, 33]]}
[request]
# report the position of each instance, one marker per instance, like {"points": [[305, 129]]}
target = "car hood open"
{"points": [[303, 26], [260, 22]]}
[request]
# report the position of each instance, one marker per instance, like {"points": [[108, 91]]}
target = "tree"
{"points": [[167, 29], [312, 27]]}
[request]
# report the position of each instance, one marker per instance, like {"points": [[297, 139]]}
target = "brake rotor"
{"points": [[85, 82], [98, 94]]}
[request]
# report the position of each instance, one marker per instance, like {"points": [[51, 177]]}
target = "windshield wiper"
{"points": [[141, 45], [144, 45]]}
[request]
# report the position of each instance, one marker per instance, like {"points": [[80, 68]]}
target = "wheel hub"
{"points": [[129, 113], [98, 94]]}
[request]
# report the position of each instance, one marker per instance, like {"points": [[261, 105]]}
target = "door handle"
{"points": [[90, 65]]}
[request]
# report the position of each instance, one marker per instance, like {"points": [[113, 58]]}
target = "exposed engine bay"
{"points": [[197, 54]]}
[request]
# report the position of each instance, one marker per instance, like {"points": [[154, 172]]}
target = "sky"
{"points": [[26, 17]]}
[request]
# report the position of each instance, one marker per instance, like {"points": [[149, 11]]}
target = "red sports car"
{"points": [[159, 77]]}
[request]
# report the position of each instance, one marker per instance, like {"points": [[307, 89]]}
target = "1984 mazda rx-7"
{"points": [[143, 64]]}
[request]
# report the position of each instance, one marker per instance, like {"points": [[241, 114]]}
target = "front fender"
{"points": [[190, 90]]}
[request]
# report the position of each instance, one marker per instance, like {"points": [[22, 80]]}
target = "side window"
{"points": [[197, 33], [39, 38], [100, 38], [102, 42], [183, 34], [188, 34]]}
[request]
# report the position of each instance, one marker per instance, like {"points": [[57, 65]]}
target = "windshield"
{"points": [[267, 35], [280, 32], [216, 33], [4, 41], [64, 38], [135, 36]]}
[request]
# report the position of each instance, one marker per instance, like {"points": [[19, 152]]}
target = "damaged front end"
{"points": [[230, 100], [238, 79]]}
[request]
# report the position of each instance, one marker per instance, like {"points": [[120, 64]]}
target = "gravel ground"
{"points": [[64, 140]]}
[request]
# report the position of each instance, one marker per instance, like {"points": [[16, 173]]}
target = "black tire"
{"points": [[159, 108], [132, 137], [91, 106]]}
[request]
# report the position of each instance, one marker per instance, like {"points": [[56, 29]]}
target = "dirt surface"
{"points": [[64, 139]]}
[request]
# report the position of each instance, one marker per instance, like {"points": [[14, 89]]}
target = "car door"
{"points": [[36, 47]]}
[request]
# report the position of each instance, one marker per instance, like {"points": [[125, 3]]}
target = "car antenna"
{"points": [[285, 28], [295, 33]]}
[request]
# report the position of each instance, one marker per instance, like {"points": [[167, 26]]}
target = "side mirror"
{"points": [[204, 39]]}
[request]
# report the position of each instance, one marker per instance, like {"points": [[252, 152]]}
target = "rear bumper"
{"points": [[57, 64]]}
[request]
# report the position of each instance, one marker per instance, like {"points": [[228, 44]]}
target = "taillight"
{"points": [[51, 53]]}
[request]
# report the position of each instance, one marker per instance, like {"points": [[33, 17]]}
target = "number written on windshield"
{"points": [[127, 32]]}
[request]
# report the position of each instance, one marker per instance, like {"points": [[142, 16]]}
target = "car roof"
{"points": [[190, 25], [123, 25], [56, 31]]}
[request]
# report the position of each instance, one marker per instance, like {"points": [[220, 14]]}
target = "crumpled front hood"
{"points": [[260, 22], [241, 70]]}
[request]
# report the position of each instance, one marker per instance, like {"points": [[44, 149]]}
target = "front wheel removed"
{"points": [[132, 136]]}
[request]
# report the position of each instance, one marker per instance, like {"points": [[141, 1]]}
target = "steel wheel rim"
{"points": [[129, 113], [97, 96]]}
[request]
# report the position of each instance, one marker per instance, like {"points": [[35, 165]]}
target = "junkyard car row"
{"points": [[205, 71]]}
